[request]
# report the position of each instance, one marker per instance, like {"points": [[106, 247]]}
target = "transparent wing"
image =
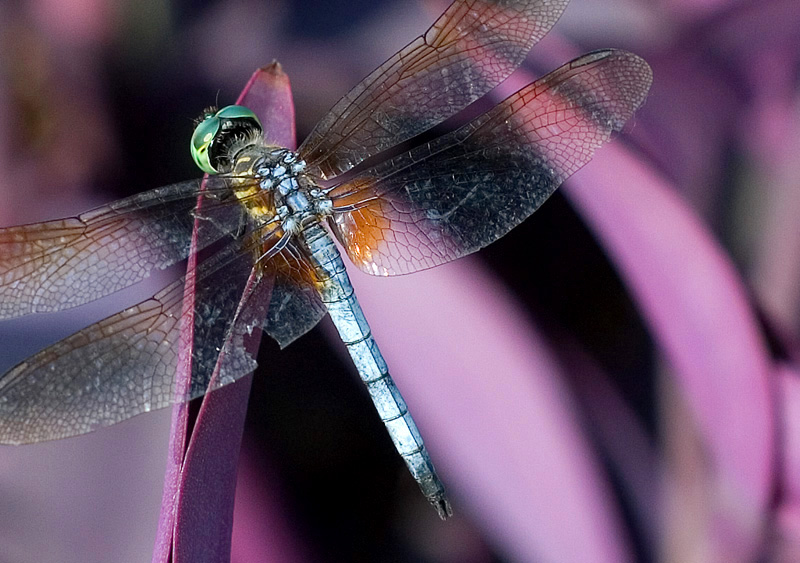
{"points": [[296, 306], [469, 50], [126, 364], [60, 264], [468, 188]]}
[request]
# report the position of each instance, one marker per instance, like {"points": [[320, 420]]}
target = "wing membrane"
{"points": [[469, 50], [468, 188], [60, 264], [296, 306], [126, 364]]}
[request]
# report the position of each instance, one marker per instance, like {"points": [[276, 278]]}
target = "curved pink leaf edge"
{"points": [[786, 539], [699, 312], [697, 307], [194, 524]]}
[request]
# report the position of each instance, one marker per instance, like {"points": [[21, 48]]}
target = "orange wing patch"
{"points": [[364, 230]]}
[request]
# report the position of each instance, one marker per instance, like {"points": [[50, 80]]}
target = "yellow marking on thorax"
{"points": [[261, 205], [257, 203]]}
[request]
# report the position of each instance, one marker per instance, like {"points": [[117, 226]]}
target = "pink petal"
{"points": [[787, 536], [788, 378], [785, 546], [690, 295]]}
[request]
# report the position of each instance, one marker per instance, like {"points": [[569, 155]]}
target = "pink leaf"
{"points": [[697, 308], [197, 506]]}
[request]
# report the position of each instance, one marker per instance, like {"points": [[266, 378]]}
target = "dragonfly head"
{"points": [[216, 131]]}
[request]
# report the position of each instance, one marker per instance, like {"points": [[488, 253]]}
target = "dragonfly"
{"points": [[265, 221]]}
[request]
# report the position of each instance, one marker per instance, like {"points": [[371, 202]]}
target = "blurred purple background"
{"points": [[629, 363]]}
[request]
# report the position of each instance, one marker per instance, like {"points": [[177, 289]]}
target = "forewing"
{"points": [[468, 188], [126, 364], [469, 50], [60, 264]]}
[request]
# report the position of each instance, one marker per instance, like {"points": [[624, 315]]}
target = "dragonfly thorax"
{"points": [[279, 175], [281, 172]]}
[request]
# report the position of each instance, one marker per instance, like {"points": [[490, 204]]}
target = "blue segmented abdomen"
{"points": [[339, 297]]}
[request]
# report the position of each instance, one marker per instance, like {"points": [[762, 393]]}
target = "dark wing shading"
{"points": [[126, 364], [296, 306], [60, 264], [468, 188], [470, 49]]}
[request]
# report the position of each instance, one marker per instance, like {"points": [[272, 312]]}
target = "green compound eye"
{"points": [[202, 138], [236, 112], [213, 129]]}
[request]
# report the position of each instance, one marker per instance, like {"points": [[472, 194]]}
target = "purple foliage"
{"points": [[601, 387]]}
